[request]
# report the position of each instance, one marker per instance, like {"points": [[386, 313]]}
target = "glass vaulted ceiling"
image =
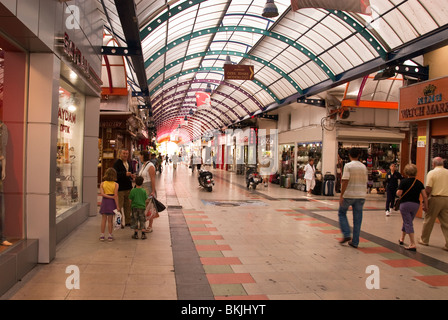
{"points": [[185, 44]]}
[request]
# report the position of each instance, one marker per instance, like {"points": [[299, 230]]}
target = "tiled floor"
{"points": [[268, 244]]}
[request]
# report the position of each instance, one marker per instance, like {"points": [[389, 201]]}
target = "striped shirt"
{"points": [[356, 174]]}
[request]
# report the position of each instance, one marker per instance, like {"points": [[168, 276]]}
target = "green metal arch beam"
{"points": [[362, 30], [154, 24], [266, 33], [183, 73], [232, 53]]}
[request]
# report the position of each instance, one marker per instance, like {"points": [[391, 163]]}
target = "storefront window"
{"points": [[439, 148], [305, 152], [70, 148], [12, 137], [376, 156], [286, 157]]}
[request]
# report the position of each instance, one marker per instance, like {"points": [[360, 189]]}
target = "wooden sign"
{"points": [[425, 100], [238, 72]]}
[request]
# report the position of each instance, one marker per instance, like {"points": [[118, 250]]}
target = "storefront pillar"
{"points": [[41, 152], [90, 165], [422, 154], [329, 151], [422, 149]]}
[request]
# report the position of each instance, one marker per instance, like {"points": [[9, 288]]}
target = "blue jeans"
{"points": [[357, 205]]}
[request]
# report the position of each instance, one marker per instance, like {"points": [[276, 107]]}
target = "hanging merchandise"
{"points": [[377, 157]]}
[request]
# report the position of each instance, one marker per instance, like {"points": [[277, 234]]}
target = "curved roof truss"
{"points": [[296, 54]]}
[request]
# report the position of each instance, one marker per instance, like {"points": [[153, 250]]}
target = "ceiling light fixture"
{"points": [[270, 10], [73, 101], [385, 74], [228, 60], [209, 88]]}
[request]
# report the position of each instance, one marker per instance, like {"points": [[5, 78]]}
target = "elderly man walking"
{"points": [[437, 189]]}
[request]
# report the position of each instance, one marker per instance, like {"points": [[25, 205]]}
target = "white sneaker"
{"points": [[387, 213]]}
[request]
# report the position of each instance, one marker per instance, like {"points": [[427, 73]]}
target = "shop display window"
{"points": [[376, 156], [12, 137], [439, 148], [286, 157], [305, 152], [69, 148]]}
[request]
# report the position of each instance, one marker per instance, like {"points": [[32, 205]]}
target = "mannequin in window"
{"points": [[3, 141]]}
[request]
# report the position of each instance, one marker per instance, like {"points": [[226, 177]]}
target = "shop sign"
{"points": [[117, 124], [267, 140], [80, 61], [67, 119], [421, 142], [238, 72], [423, 101], [355, 145]]}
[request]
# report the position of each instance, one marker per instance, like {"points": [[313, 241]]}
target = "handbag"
{"points": [[153, 208], [159, 205], [397, 203]]}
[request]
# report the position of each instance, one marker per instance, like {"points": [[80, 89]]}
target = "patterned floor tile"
{"points": [[436, 281], [220, 261], [230, 278], [228, 290], [404, 263]]}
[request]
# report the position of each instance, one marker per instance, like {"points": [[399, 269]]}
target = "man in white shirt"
{"points": [[353, 193], [310, 179]]}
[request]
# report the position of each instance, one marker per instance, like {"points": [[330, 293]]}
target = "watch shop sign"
{"points": [[423, 101]]}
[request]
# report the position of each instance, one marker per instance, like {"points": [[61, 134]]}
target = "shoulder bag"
{"points": [[397, 203], [159, 205]]}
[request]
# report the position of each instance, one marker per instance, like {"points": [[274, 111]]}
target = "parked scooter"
{"points": [[206, 180], [253, 178]]}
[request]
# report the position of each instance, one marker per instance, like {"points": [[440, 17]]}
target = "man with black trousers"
{"points": [[125, 175], [392, 178]]}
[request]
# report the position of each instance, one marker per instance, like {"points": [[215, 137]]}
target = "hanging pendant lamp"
{"points": [[209, 88], [270, 9], [228, 60]]}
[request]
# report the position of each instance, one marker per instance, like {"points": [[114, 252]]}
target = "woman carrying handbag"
{"points": [[148, 172], [409, 192]]}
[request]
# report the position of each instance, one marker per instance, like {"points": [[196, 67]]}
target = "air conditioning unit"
{"points": [[340, 113], [343, 114]]}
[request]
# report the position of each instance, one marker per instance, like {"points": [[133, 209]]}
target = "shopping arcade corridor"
{"points": [[272, 243]]}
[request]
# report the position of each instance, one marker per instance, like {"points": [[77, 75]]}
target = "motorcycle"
{"points": [[252, 178], [206, 180]]}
